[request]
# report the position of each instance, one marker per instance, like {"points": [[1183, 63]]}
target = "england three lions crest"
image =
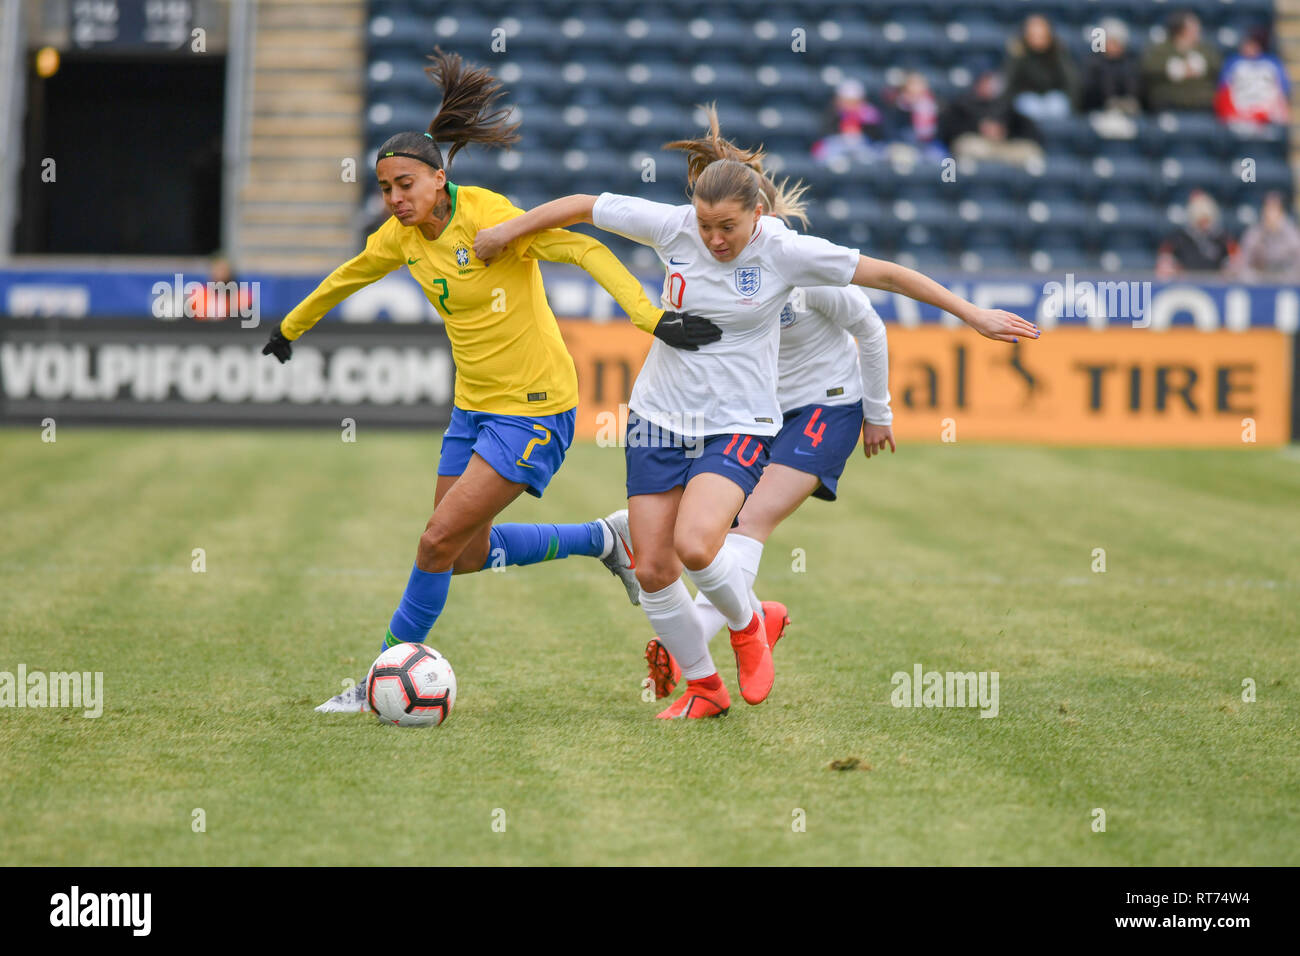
{"points": [[748, 280]]}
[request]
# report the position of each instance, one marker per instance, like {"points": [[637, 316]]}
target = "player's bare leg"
{"points": [[454, 537], [668, 606], [708, 505], [778, 494]]}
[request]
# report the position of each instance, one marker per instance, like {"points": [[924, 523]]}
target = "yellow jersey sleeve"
{"points": [[381, 256], [560, 245]]}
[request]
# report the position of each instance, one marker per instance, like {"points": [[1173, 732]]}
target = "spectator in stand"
{"points": [[982, 125], [853, 127], [1041, 78], [1180, 73], [1270, 249], [1112, 78], [913, 117], [1199, 244], [1253, 88]]}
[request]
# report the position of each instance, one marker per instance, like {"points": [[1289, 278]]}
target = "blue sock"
{"points": [[531, 543], [422, 602]]}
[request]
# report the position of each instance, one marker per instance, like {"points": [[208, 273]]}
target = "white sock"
{"points": [[723, 583], [748, 553], [672, 615], [609, 540]]}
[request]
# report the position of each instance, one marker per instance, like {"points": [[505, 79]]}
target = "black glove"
{"points": [[278, 346], [682, 330]]}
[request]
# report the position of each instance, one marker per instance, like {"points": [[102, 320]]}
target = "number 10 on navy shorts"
{"points": [[660, 460]]}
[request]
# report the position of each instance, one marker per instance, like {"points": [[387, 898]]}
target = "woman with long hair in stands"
{"points": [[711, 414], [516, 388]]}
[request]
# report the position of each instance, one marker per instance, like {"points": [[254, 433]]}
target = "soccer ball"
{"points": [[411, 685]]}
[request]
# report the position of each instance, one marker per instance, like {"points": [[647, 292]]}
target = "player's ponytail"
{"points": [[468, 114], [717, 170]]}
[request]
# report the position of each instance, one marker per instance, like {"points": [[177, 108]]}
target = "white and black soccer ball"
{"points": [[411, 685]]}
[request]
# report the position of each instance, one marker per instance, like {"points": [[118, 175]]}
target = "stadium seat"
{"points": [[790, 83], [649, 38], [923, 246], [585, 37], [724, 82], [595, 84], [1058, 218], [1006, 216], [1124, 178], [932, 213], [1126, 257], [532, 81], [399, 33], [988, 254], [1203, 129], [786, 130], [1070, 134], [1179, 176], [985, 180], [648, 127], [974, 38], [385, 119], [836, 215]]}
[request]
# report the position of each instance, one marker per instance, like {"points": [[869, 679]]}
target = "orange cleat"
{"points": [[698, 702], [753, 662], [664, 672], [775, 620]]}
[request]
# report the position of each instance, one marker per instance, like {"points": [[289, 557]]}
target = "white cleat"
{"points": [[351, 701], [620, 561]]}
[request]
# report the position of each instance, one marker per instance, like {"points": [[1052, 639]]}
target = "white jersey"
{"points": [[819, 362], [728, 385]]}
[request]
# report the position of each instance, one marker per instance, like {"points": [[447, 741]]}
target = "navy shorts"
{"points": [[660, 460], [818, 439], [524, 448]]}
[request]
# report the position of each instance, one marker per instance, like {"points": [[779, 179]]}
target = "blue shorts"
{"points": [[660, 460], [818, 439], [524, 448]]}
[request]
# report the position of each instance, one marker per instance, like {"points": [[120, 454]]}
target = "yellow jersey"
{"points": [[510, 358]]}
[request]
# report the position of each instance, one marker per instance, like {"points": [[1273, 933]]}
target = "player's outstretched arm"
{"points": [[373, 263], [991, 323], [678, 329], [556, 214]]}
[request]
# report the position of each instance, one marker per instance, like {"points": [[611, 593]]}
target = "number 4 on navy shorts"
{"points": [[818, 439]]}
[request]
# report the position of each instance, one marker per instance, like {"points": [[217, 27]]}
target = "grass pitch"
{"points": [[1119, 690]]}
